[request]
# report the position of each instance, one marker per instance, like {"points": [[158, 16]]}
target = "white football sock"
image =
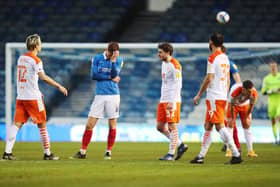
{"points": [[83, 151], [206, 142], [173, 141], [44, 136], [167, 134], [248, 138], [11, 137], [230, 132], [227, 139]]}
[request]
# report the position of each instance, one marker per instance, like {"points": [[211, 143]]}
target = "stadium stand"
{"points": [[141, 82], [192, 21], [61, 21], [102, 21]]}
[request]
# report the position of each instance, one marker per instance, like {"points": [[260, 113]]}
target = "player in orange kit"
{"points": [[242, 99], [216, 83], [169, 107], [29, 101]]}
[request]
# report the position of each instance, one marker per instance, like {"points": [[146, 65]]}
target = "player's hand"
{"points": [[170, 109], [114, 56], [268, 92], [276, 90], [116, 79], [230, 122], [170, 106], [196, 99], [63, 90]]}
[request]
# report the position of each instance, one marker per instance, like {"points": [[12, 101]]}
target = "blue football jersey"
{"points": [[103, 70]]}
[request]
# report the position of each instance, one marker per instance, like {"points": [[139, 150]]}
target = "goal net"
{"points": [[69, 64]]}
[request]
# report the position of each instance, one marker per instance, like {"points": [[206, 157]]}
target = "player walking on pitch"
{"points": [[271, 87], [216, 82], [105, 70], [170, 101], [29, 101]]}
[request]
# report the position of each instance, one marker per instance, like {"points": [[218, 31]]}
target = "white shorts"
{"points": [[105, 106]]}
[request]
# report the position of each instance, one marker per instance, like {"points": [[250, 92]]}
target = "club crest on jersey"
{"points": [[178, 75], [208, 67], [170, 113]]}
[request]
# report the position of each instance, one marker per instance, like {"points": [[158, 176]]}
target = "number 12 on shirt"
{"points": [[21, 73]]}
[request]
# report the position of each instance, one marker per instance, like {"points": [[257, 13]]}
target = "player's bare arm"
{"points": [[231, 119], [53, 83], [207, 80], [251, 106], [228, 82], [236, 77]]}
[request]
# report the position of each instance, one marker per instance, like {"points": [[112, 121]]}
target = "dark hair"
{"points": [[166, 47], [113, 46], [217, 39], [224, 49], [247, 84]]}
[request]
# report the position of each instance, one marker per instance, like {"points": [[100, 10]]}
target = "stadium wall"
{"points": [[127, 132]]}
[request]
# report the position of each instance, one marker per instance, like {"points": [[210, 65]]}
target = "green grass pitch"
{"points": [[137, 164]]}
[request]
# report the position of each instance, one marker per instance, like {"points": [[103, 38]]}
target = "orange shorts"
{"points": [[215, 111], [30, 108], [166, 116], [242, 111]]}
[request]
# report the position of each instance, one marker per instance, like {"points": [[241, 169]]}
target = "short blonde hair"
{"points": [[32, 41]]}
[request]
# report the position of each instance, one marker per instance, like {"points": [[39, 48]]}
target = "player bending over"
{"points": [[242, 99]]}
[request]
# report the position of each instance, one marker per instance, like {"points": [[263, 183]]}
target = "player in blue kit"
{"points": [[105, 70]]}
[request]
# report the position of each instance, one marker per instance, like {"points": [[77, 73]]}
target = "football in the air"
{"points": [[222, 17]]}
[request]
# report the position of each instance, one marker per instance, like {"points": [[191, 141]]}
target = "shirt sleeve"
{"points": [[210, 67], [264, 86], [116, 68], [235, 90], [254, 97], [97, 72], [39, 67]]}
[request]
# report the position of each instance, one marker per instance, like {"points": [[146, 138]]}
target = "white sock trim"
{"points": [[206, 142]]}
